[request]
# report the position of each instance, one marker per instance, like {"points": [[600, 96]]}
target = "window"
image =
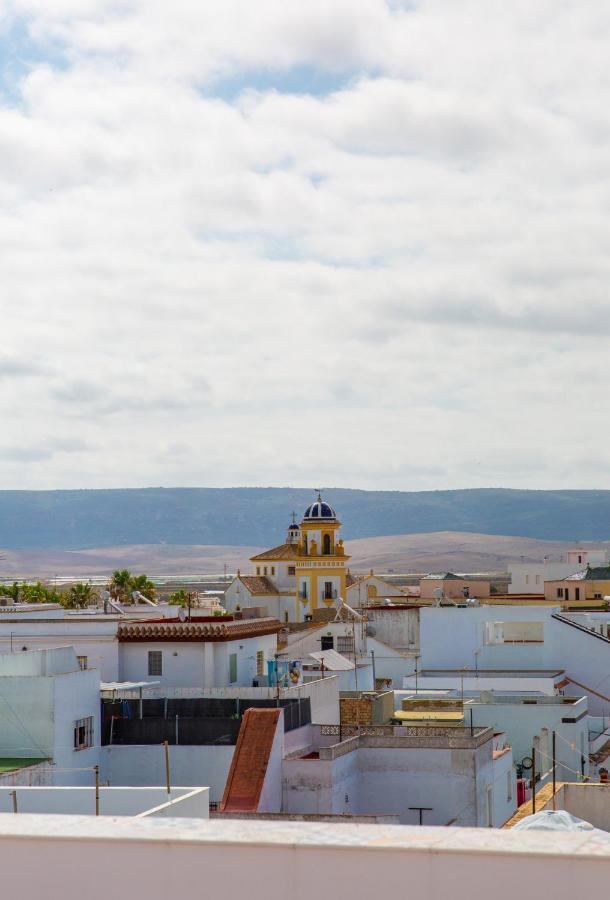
{"points": [[155, 662], [328, 590], [327, 642], [273, 570], [514, 632], [490, 806], [345, 643], [527, 579], [303, 591], [258, 570], [265, 570], [577, 591], [83, 733], [537, 579], [83, 662], [326, 545], [260, 662], [232, 668], [560, 592], [598, 596], [291, 570]]}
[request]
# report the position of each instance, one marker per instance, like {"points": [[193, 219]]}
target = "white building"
{"points": [[529, 722], [435, 776], [93, 636], [529, 578], [203, 652], [50, 710], [452, 775], [516, 638]]}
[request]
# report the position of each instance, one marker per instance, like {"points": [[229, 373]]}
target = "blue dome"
{"points": [[293, 527], [319, 510]]}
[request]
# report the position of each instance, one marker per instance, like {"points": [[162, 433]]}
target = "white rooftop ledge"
{"points": [[149, 858]]}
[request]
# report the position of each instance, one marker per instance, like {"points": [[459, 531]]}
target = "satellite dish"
{"points": [[182, 613], [527, 762]]}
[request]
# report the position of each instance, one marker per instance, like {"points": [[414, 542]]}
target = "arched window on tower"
{"points": [[326, 545]]}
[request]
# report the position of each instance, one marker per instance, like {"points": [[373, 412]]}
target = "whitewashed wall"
{"points": [[190, 766]]}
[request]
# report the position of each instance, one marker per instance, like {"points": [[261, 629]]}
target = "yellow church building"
{"points": [[304, 573]]}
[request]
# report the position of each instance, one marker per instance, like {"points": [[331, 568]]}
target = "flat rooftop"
{"points": [[492, 673]]}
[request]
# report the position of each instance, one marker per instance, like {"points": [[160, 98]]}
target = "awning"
{"points": [[332, 661]]}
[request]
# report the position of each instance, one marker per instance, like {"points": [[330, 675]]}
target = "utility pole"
{"points": [[97, 790], [167, 778], [554, 772], [355, 656], [373, 662], [533, 780], [277, 680]]}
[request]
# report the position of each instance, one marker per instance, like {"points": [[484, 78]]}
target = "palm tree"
{"points": [[80, 595], [120, 585], [144, 585]]}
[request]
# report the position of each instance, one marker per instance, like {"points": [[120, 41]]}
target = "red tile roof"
{"points": [[197, 631], [250, 760], [284, 551], [258, 584]]}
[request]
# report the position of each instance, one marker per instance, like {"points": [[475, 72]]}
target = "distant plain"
{"points": [[403, 553]]}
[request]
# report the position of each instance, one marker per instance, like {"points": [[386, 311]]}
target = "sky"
{"points": [[358, 243]]}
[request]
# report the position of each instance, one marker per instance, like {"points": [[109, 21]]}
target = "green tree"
{"points": [[144, 585], [12, 591], [120, 585], [80, 595], [178, 598], [38, 593]]}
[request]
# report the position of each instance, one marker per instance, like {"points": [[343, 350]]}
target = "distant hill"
{"points": [[259, 516], [401, 553]]}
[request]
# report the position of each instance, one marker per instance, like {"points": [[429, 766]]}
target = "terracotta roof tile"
{"points": [[284, 551], [250, 760], [258, 584]]}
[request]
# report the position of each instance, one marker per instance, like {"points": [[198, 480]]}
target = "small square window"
{"points": [[83, 733], [83, 662]]}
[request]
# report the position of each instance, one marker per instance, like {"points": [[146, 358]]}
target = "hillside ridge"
{"points": [[80, 519]]}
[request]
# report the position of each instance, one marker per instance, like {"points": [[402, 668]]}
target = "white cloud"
{"points": [[401, 282]]}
